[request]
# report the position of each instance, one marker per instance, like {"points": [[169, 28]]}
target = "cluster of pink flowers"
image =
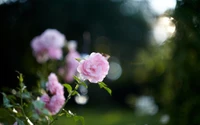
{"points": [[48, 45], [57, 100], [94, 68]]}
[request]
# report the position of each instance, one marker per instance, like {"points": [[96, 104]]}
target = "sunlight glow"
{"points": [[160, 6], [163, 29]]}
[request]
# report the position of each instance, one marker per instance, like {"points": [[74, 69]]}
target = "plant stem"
{"points": [[21, 101], [22, 105]]}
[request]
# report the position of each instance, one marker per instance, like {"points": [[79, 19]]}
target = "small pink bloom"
{"points": [[45, 98], [55, 53], [94, 68], [52, 77], [52, 38], [42, 56], [53, 85], [48, 45], [36, 44], [56, 103], [71, 65]]}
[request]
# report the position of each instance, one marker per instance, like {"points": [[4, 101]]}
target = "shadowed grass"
{"points": [[110, 117]]}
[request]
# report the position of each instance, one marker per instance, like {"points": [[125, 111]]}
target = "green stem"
{"points": [[21, 101], [68, 98]]}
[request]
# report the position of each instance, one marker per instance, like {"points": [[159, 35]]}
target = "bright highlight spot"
{"points": [[163, 29], [160, 6], [81, 99], [164, 119], [115, 71]]}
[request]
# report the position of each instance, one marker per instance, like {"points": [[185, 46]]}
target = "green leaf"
{"points": [[6, 117], [45, 111], [78, 59], [61, 114], [69, 113], [51, 118], [35, 116], [38, 104], [84, 84], [76, 78], [75, 93], [108, 90], [6, 101], [76, 118], [68, 87], [80, 82], [12, 98], [104, 86], [102, 83], [26, 95], [79, 118], [19, 122], [20, 77]]}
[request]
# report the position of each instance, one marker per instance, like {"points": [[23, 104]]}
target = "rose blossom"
{"points": [[57, 99], [55, 104], [55, 53], [45, 98], [52, 38], [94, 68], [71, 62], [48, 45], [53, 85]]}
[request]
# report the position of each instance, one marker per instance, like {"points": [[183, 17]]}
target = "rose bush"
{"points": [[46, 102]]}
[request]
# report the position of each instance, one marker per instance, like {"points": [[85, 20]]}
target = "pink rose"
{"points": [[55, 53], [56, 103], [45, 98], [52, 38], [52, 77], [48, 45], [53, 85], [36, 44], [94, 68], [53, 104]]}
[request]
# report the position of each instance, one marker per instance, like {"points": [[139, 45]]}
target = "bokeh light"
{"points": [[160, 6], [163, 29], [115, 70], [81, 99]]}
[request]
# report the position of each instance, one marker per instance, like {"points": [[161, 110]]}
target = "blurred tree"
{"points": [[186, 64], [173, 69]]}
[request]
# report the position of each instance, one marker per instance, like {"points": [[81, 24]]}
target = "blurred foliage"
{"points": [[171, 70], [112, 117]]}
